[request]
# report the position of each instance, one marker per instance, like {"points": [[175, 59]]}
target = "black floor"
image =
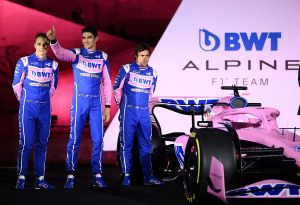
{"points": [[170, 193]]}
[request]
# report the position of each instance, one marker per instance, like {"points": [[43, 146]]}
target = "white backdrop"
{"points": [[273, 87], [244, 36]]}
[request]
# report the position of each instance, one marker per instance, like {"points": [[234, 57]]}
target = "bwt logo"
{"points": [[184, 104], [267, 190], [142, 81], [41, 74], [91, 65], [235, 41]]}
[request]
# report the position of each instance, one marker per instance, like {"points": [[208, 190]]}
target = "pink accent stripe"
{"points": [[151, 93], [39, 74], [107, 87], [90, 65], [18, 87], [119, 92], [62, 53], [140, 81], [217, 177]]}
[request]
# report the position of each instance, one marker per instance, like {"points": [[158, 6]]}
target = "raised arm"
{"points": [[60, 52]]}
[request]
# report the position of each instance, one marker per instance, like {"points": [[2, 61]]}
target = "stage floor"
{"points": [[170, 193]]}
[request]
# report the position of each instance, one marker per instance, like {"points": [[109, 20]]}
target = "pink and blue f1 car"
{"points": [[235, 150]]}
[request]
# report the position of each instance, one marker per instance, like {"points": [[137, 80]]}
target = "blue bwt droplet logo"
{"points": [[208, 41], [236, 41]]}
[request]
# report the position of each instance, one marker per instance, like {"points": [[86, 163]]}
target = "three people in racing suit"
{"points": [[35, 81]]}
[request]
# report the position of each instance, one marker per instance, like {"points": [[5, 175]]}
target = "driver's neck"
{"points": [[41, 56]]}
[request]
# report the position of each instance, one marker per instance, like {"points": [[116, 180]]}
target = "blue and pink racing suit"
{"points": [[90, 69], [133, 89], [35, 81]]}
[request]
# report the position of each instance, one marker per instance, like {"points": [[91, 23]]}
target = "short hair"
{"points": [[91, 29], [42, 35], [141, 47]]}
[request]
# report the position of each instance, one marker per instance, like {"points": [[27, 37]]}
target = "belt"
{"points": [[39, 84], [136, 107], [87, 95], [36, 101]]}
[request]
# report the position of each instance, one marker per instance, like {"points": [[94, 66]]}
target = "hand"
{"points": [[106, 115], [18, 96], [51, 34]]}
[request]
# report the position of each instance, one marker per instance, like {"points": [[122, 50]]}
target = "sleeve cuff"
{"points": [[53, 41]]}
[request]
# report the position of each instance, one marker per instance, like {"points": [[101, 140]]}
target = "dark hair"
{"points": [[41, 35], [141, 47], [91, 29]]}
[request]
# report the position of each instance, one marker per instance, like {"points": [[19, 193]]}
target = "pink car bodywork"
{"points": [[254, 124], [258, 124]]}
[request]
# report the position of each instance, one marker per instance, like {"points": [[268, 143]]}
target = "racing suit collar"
{"points": [[140, 67], [86, 51]]}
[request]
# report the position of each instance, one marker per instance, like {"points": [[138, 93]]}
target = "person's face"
{"points": [[89, 41], [41, 47], [142, 58]]}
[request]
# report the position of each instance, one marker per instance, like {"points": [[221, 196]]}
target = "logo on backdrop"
{"points": [[245, 42], [239, 41], [208, 41]]}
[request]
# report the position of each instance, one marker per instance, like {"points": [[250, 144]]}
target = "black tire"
{"points": [[157, 150], [197, 161]]}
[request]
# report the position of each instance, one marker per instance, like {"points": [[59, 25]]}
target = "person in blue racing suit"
{"points": [[90, 70], [133, 89], [35, 81]]}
